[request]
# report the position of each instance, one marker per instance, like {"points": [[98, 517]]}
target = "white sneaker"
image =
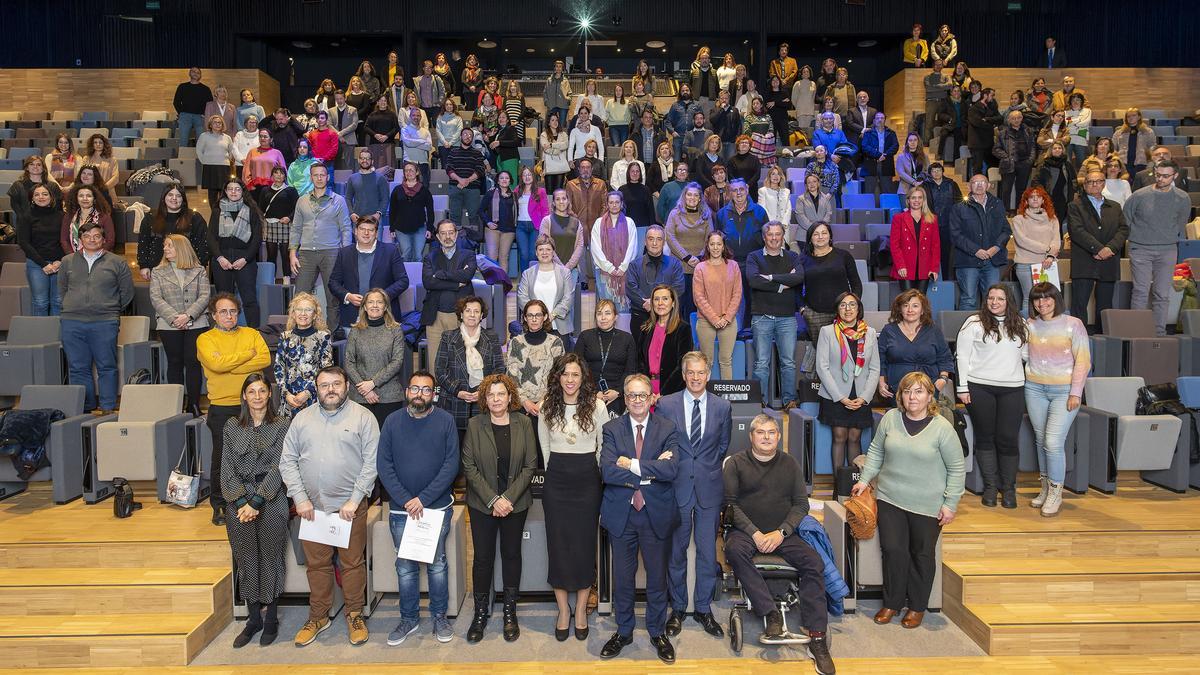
{"points": [[1053, 501], [1041, 498]]}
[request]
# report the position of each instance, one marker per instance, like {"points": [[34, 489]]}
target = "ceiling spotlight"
{"points": [[655, 44], [486, 44], [664, 50], [585, 23], [529, 50], [639, 50]]}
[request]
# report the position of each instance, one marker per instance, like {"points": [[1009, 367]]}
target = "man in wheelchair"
{"points": [[765, 500]]}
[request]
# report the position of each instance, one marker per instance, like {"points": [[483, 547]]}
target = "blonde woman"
{"points": [[222, 107], [214, 149], [717, 290], [620, 168], [179, 292], [1132, 141], [377, 357], [617, 116], [304, 349], [775, 197]]}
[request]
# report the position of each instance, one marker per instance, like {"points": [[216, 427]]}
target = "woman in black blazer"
{"points": [[499, 456], [662, 341]]}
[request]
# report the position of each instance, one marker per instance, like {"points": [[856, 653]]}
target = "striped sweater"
{"points": [[1059, 353]]}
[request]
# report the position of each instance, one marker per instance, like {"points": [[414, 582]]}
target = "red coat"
{"points": [[921, 258]]}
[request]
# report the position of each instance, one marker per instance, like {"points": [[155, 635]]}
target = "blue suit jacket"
{"points": [[619, 484], [700, 478], [387, 272]]}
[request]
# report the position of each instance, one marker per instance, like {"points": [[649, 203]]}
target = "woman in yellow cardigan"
{"points": [[228, 353]]}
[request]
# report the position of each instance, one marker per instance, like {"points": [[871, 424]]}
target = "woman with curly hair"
{"points": [[100, 155], [304, 349], [370, 80], [1038, 237], [993, 346], [569, 431]]}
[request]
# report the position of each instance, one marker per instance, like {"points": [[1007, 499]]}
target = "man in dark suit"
{"points": [[1158, 153], [639, 462], [382, 263], [705, 423], [446, 274], [767, 498], [860, 117], [1052, 56], [1098, 233]]}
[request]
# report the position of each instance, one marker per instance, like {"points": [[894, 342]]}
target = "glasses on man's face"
{"points": [[638, 396], [414, 389], [1164, 176], [1095, 182]]}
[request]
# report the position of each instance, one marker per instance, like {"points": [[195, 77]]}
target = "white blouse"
{"points": [[777, 204], [570, 439]]}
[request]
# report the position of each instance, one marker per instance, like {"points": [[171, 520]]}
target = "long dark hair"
{"points": [[244, 419], [183, 225], [1014, 326], [554, 408]]}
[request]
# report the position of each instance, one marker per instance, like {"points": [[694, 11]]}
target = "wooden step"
{"points": [[1143, 544], [112, 591], [113, 554], [1074, 580], [124, 640], [1042, 628]]}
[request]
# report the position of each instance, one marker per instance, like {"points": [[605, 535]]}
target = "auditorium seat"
{"points": [[858, 201], [1189, 395], [154, 115], [849, 232], [890, 201], [866, 215], [32, 354], [1154, 359], [951, 323], [877, 319], [135, 350], [1156, 445], [381, 562], [64, 446], [146, 440]]}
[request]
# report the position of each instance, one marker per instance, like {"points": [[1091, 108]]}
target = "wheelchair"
{"points": [[783, 581]]}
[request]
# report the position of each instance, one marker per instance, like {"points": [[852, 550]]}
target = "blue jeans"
{"points": [[409, 573], [412, 246], [1048, 414], [43, 290], [973, 283], [775, 330], [1077, 153], [527, 234], [189, 123], [619, 134], [1024, 274], [677, 148], [92, 342], [463, 200]]}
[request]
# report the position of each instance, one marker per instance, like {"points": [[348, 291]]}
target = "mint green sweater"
{"points": [[921, 473]]}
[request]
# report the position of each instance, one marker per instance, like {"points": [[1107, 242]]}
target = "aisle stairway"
{"points": [[91, 590], [1065, 587]]}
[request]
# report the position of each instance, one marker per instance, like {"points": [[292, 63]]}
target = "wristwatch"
{"points": [[783, 533]]}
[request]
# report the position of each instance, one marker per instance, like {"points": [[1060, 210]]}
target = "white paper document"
{"points": [[420, 540], [326, 528]]}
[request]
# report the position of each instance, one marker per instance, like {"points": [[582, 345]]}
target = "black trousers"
{"points": [[216, 418], [996, 419], [244, 282], [1013, 184], [183, 366], [484, 528], [1081, 293], [873, 167], [919, 284], [740, 551], [979, 156], [909, 544], [280, 253]]}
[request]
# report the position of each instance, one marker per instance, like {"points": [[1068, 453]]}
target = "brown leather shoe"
{"points": [[912, 619], [884, 615]]}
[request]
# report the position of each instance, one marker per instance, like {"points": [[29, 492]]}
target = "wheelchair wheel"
{"points": [[735, 630]]}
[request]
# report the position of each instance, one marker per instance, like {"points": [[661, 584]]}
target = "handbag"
{"points": [[1160, 399], [183, 487], [955, 416], [862, 514]]}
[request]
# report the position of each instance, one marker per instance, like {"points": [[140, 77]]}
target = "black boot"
{"points": [[987, 469], [218, 518], [270, 624], [1008, 480], [511, 630], [479, 621], [254, 623]]}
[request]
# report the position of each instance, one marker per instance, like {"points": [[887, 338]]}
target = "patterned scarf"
{"points": [[77, 224], [846, 332], [614, 243], [474, 358]]}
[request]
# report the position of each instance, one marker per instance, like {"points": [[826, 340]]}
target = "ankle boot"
{"points": [[480, 620], [511, 630], [270, 624], [1041, 498], [254, 623], [1008, 480], [1053, 500], [986, 458]]}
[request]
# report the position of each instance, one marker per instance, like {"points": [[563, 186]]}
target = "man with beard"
{"points": [[328, 463], [418, 461], [682, 111]]}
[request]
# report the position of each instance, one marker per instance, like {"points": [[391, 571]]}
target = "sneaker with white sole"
{"points": [[405, 628], [443, 629]]}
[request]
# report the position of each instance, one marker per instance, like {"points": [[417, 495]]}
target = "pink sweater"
{"points": [[717, 292], [1059, 353]]}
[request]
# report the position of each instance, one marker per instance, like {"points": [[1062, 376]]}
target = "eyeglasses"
{"points": [[1094, 182], [1164, 176], [226, 312], [414, 389], [539, 315], [638, 396], [848, 305], [304, 310]]}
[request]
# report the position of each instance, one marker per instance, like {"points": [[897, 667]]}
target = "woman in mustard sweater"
{"points": [[228, 353]]}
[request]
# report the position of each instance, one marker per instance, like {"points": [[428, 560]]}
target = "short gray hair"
{"points": [[761, 420]]}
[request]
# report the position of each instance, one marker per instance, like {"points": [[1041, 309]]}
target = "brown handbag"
{"points": [[862, 513]]}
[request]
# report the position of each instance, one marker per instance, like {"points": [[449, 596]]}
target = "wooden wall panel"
{"points": [[1108, 89], [35, 89]]}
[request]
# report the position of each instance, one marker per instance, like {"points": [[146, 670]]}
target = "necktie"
{"points": [[638, 500], [1050, 58], [694, 436]]}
